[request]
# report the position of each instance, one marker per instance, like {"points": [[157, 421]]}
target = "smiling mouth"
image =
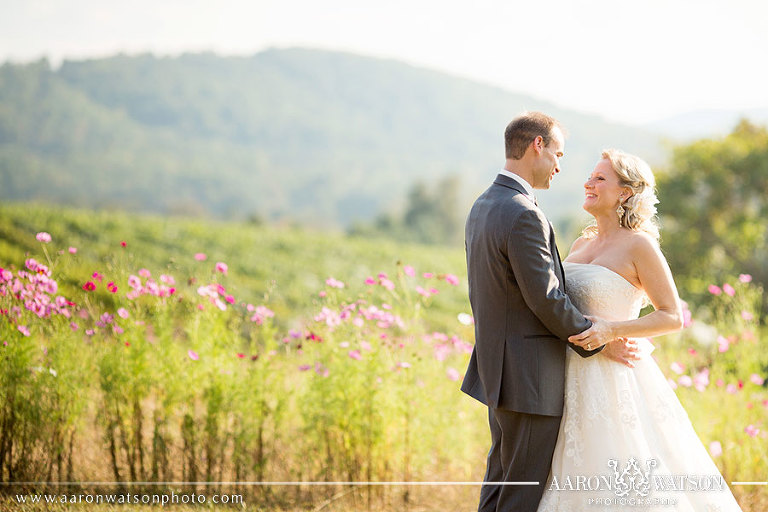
{"points": [[590, 195]]}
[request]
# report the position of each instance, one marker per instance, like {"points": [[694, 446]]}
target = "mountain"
{"points": [[705, 123], [316, 137]]}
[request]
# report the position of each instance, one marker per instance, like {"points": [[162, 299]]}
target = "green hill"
{"points": [[287, 266], [303, 135]]}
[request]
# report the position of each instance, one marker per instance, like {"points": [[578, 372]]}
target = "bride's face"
{"points": [[603, 189]]}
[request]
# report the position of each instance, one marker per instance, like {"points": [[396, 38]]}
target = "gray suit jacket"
{"points": [[522, 314]]}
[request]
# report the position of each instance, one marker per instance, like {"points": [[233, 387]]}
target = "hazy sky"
{"points": [[631, 61]]}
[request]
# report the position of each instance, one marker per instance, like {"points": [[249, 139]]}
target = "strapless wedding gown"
{"points": [[625, 441]]}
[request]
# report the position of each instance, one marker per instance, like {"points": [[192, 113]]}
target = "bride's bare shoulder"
{"points": [[642, 246], [579, 243]]}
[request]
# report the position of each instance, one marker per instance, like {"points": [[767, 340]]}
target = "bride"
{"points": [[627, 443]]}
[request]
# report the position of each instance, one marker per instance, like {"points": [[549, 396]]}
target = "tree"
{"points": [[432, 215], [714, 209]]}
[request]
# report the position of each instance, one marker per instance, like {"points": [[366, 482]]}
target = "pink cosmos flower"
{"points": [[122, 313], [756, 379], [751, 430], [112, 287], [123, 244], [321, 370], [334, 283], [240, 355], [451, 279], [685, 381], [169, 280], [97, 276], [370, 281], [409, 271], [193, 355], [422, 291], [747, 316], [201, 256], [452, 374], [355, 354], [73, 250], [73, 326], [692, 351], [677, 368], [134, 282], [23, 330], [145, 273], [304, 367], [731, 389], [728, 289], [428, 275], [89, 286], [261, 314], [386, 283], [701, 380], [722, 344], [745, 278], [687, 316], [43, 237], [222, 267], [715, 449], [365, 346], [714, 289]]}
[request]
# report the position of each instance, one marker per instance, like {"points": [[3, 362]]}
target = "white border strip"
{"points": [[749, 483]]}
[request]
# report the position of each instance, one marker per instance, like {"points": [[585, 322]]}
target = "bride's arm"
{"points": [[656, 279]]}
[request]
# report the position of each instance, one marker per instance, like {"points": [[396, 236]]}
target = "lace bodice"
{"points": [[597, 290]]}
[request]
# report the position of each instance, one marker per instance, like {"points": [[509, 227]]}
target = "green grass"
{"points": [[139, 404]]}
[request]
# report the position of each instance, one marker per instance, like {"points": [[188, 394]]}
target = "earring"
{"points": [[620, 212]]}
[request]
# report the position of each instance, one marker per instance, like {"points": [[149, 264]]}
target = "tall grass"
{"points": [[128, 355]]}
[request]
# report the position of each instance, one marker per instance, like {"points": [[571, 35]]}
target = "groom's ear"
{"points": [[538, 144]]}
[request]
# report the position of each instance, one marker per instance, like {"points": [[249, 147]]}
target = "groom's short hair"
{"points": [[526, 127]]}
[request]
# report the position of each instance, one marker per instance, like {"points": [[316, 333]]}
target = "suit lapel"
{"points": [[556, 257]]}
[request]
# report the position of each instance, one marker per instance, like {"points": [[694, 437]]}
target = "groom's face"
{"points": [[549, 161]]}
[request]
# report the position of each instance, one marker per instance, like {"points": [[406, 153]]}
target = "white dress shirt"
{"points": [[526, 186]]}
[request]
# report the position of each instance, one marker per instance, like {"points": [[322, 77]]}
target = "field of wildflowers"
{"points": [[139, 349]]}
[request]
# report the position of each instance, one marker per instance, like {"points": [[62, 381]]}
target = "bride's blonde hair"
{"points": [[640, 209]]}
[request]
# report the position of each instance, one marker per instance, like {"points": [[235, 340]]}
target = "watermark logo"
{"points": [[632, 478], [634, 482]]}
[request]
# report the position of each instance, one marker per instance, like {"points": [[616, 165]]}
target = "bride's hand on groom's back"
{"points": [[622, 350]]}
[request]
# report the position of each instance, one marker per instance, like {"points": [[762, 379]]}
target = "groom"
{"points": [[522, 316]]}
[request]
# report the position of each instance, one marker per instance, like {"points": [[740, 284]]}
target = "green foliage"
{"points": [[714, 208], [433, 215], [315, 137], [353, 382]]}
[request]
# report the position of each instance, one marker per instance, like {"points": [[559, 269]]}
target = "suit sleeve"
{"points": [[532, 263]]}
